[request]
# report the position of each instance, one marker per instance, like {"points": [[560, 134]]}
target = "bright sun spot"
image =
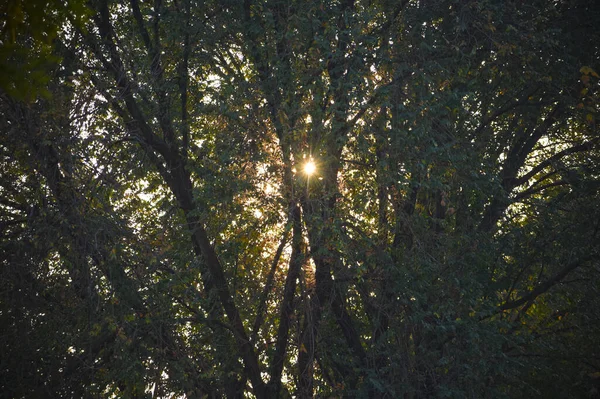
{"points": [[310, 167]]}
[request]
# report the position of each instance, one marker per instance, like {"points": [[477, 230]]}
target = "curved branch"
{"points": [[535, 190], [545, 286], [260, 312], [578, 148]]}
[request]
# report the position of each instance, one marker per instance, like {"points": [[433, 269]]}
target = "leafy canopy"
{"points": [[299, 199]]}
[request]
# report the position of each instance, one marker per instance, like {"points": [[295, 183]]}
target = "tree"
{"points": [[162, 237], [27, 29]]}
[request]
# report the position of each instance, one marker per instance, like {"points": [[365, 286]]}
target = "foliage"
{"points": [[160, 237], [27, 30]]}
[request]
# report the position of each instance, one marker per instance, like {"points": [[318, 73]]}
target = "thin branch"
{"points": [[542, 165], [545, 286], [184, 80], [287, 308], [116, 67], [513, 163], [260, 312], [156, 68], [531, 191], [139, 19]]}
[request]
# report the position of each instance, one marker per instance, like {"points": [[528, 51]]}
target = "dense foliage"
{"points": [[160, 237]]}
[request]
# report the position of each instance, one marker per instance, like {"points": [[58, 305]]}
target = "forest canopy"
{"points": [[276, 199]]}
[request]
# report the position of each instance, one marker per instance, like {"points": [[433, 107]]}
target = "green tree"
{"points": [[162, 237], [27, 31]]}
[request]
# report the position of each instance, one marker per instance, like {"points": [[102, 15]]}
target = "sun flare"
{"points": [[310, 167]]}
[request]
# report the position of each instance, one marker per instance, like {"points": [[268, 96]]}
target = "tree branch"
{"points": [[545, 286], [262, 304], [286, 308], [542, 165]]}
